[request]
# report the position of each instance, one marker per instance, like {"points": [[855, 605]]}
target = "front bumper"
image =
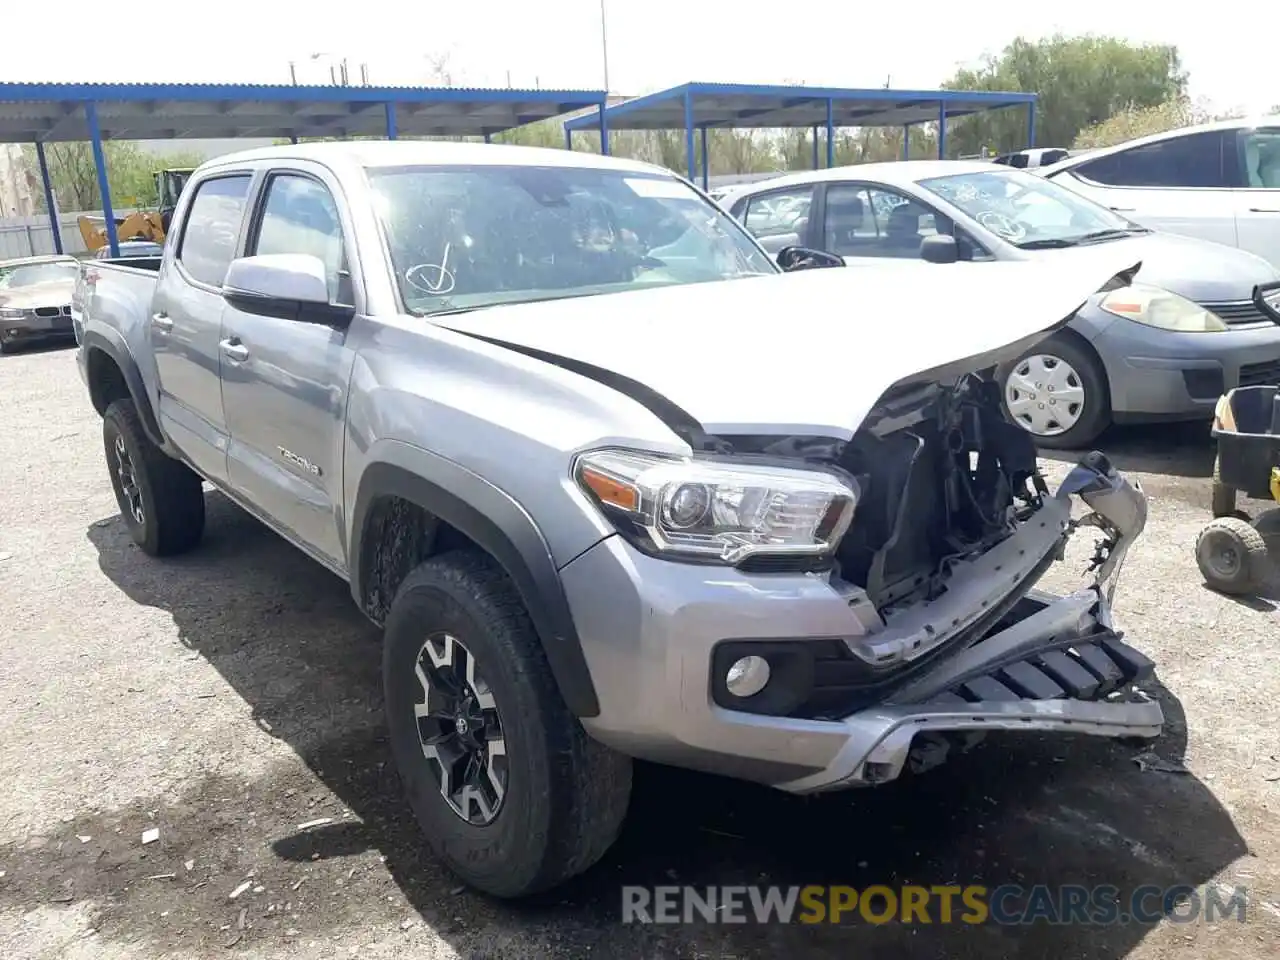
{"points": [[1155, 374], [31, 327], [650, 629]]}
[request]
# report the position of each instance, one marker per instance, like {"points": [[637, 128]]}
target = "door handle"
{"points": [[233, 349], [162, 322], [1124, 209], [1263, 210]]}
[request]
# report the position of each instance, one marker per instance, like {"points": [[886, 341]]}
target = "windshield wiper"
{"points": [[1102, 236], [1049, 243]]}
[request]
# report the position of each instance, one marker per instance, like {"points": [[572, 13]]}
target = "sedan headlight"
{"points": [[1157, 307], [717, 511], [10, 313]]}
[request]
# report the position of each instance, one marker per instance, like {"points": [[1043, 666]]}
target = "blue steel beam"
{"points": [[49, 203], [100, 161], [1031, 124], [688, 134], [391, 120], [706, 161], [942, 130], [604, 126], [831, 134]]}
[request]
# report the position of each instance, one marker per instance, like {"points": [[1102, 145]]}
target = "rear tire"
{"points": [[161, 499], [1087, 375], [468, 690], [1232, 556]]}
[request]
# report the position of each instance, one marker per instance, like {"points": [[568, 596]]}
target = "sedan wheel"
{"points": [[1045, 395]]}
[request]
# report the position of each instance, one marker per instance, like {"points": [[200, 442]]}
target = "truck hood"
{"points": [[808, 353], [1196, 269], [56, 293]]}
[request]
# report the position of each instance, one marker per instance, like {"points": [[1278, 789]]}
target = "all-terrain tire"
{"points": [[164, 509], [1232, 556], [1096, 415], [565, 796]]}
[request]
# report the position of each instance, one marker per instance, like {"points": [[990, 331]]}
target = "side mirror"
{"points": [[806, 258], [290, 286], [939, 248]]}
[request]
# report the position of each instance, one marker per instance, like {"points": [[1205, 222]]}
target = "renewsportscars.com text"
{"points": [[1006, 905]]}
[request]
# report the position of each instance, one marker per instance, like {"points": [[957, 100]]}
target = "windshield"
{"points": [[462, 238], [1029, 211], [31, 274]]}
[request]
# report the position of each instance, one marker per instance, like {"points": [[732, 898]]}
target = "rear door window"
{"points": [[212, 228], [1195, 160], [779, 219]]}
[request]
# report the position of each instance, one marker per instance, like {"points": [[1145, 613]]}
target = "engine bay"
{"points": [[942, 475]]}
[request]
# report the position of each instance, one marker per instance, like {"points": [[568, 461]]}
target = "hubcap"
{"points": [[459, 730], [128, 481], [1045, 395], [1223, 557]]}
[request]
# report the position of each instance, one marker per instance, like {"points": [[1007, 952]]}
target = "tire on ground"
{"points": [[1096, 416], [565, 795], [171, 494], [1232, 556]]}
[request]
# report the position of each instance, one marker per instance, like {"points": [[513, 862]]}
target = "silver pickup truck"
{"points": [[612, 484]]}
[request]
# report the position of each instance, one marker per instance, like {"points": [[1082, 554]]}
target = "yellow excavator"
{"points": [[141, 224]]}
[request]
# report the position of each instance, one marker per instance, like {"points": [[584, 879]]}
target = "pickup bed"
{"points": [[614, 486]]}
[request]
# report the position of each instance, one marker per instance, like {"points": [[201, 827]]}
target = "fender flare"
{"points": [[500, 526], [111, 343]]}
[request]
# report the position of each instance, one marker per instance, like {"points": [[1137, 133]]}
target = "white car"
{"points": [[1217, 181]]}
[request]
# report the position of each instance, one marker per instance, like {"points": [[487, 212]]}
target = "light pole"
{"points": [[604, 46]]}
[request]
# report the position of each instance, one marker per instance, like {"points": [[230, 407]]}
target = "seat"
{"points": [[902, 232], [844, 217]]}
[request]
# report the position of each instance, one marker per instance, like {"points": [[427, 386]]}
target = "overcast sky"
{"points": [[651, 43]]}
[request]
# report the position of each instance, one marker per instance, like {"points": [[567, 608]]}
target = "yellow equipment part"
{"points": [[136, 226], [1275, 484]]}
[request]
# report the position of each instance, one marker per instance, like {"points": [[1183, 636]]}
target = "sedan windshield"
{"points": [[32, 274], [1029, 211], [462, 238]]}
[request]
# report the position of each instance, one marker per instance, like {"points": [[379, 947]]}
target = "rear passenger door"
{"points": [[284, 382], [186, 321], [1257, 200]]}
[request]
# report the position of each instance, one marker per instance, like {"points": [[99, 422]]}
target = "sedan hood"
{"points": [[809, 353], [1196, 269], [56, 293]]}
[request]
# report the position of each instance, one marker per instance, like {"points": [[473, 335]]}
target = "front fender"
{"points": [[497, 524]]}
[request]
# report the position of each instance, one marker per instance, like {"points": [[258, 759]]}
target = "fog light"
{"points": [[747, 676]]}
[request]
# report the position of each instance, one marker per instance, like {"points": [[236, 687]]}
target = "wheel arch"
{"points": [[457, 506], [109, 369]]}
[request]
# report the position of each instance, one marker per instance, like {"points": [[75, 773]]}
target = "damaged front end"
{"points": [[954, 527]]}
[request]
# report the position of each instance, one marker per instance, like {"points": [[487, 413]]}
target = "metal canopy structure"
{"points": [[43, 113], [703, 106]]}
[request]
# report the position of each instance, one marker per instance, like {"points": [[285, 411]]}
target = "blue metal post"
{"points": [[486, 137], [294, 141], [688, 134], [48, 198], [706, 161], [100, 161], [604, 127], [568, 139], [906, 141], [831, 134], [815, 148], [942, 131], [391, 121], [1031, 124]]}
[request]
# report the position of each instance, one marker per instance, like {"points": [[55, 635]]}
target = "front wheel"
{"points": [[1057, 391], [510, 791], [1231, 555]]}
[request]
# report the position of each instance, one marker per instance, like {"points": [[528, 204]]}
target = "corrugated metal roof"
{"points": [[751, 105], [135, 111]]}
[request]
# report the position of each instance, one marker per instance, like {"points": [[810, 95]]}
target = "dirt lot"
{"points": [[228, 697]]}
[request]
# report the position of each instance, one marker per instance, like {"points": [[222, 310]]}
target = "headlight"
{"points": [[717, 511], [1157, 307], [10, 313]]}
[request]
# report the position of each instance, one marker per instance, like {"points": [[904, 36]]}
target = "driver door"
{"points": [[284, 382], [872, 225]]}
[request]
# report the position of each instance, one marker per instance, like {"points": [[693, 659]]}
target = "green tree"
{"points": [[1079, 81], [130, 171], [1132, 122]]}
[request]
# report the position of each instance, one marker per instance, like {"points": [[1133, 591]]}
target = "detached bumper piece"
{"points": [[1093, 668]]}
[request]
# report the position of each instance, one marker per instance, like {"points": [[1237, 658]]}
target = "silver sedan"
{"points": [[35, 300], [1198, 318]]}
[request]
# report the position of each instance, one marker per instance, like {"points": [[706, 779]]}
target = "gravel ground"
{"points": [[227, 697]]}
